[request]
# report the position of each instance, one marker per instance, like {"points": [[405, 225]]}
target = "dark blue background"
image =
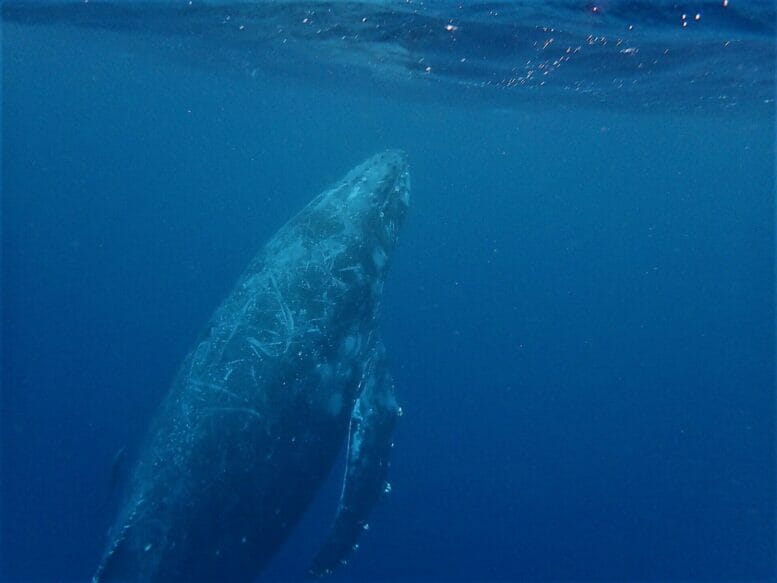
{"points": [[580, 314]]}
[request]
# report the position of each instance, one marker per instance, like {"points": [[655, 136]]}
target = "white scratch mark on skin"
{"points": [[253, 376], [255, 343], [246, 410], [255, 351], [228, 392], [286, 317], [214, 387]]}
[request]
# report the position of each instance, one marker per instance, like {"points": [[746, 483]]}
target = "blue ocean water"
{"points": [[580, 314]]}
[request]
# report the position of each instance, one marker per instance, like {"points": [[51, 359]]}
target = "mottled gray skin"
{"points": [[288, 366]]}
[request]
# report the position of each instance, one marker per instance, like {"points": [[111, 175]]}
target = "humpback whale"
{"points": [[288, 368]]}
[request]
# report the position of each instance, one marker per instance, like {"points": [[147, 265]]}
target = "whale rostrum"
{"points": [[289, 367]]}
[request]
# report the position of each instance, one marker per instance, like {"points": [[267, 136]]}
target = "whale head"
{"points": [[336, 252], [357, 221], [350, 229], [371, 200]]}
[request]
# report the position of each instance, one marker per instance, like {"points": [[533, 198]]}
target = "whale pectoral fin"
{"points": [[369, 443]]}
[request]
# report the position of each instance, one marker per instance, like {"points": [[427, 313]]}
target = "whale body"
{"points": [[288, 367]]}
